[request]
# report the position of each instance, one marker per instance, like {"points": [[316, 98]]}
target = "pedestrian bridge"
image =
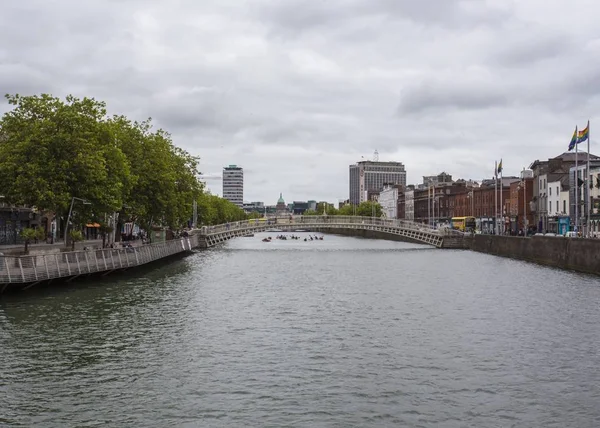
{"points": [[349, 225]]}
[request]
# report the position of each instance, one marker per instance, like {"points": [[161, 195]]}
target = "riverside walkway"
{"points": [[27, 271], [348, 225]]}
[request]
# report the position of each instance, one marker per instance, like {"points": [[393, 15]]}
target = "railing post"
{"points": [[7, 269], [137, 260], [87, 262], [78, 265], [120, 260], [46, 266], [21, 267], [68, 264], [33, 260], [57, 264]]}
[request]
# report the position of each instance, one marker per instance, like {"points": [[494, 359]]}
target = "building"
{"points": [[442, 179], [233, 184], [409, 203], [520, 204], [281, 207], [254, 207], [299, 207], [582, 190], [370, 176], [558, 206], [552, 170], [388, 199]]}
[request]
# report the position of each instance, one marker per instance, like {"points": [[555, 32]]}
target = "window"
{"points": [[550, 190], [557, 191], [556, 206], [565, 207]]}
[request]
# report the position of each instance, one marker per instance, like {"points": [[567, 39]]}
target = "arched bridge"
{"points": [[408, 230]]}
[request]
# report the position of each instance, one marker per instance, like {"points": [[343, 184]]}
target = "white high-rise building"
{"points": [[233, 184]]}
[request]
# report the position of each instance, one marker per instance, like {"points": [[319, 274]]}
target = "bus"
{"points": [[464, 224]]}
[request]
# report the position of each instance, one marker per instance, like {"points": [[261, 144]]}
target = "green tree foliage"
{"points": [[76, 236], [215, 210], [347, 210], [368, 209], [28, 234], [52, 150], [365, 209]]}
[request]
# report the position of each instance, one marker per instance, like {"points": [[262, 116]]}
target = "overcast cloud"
{"points": [[295, 91]]}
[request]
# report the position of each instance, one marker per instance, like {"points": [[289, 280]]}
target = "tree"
{"points": [[347, 210], [76, 236], [53, 150], [28, 234], [368, 209]]}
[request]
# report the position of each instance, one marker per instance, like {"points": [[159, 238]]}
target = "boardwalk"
{"points": [[34, 269]]}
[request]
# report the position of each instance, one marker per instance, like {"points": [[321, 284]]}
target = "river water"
{"points": [[341, 332]]}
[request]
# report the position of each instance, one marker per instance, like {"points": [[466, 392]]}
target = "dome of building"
{"points": [[280, 200]]}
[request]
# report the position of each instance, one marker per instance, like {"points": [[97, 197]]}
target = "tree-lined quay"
{"points": [[53, 152]]}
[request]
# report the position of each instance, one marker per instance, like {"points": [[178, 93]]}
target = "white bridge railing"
{"points": [[41, 267], [308, 221]]}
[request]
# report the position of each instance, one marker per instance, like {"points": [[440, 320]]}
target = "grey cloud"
{"points": [[295, 91], [431, 96], [534, 47], [295, 16]]}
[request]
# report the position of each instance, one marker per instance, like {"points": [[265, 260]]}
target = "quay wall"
{"points": [[578, 254]]}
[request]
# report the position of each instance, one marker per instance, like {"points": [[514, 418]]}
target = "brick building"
{"points": [[516, 206]]}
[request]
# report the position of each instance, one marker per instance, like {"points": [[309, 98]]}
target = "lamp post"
{"points": [[470, 197], [84, 202], [524, 186]]}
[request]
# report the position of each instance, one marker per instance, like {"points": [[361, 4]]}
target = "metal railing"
{"points": [[41, 267], [316, 221]]}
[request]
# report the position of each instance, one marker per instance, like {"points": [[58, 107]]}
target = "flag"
{"points": [[496, 169], [574, 140], [500, 167], [584, 134]]}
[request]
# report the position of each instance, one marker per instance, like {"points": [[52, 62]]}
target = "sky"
{"points": [[295, 91]]}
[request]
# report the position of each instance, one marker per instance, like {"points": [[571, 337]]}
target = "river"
{"points": [[340, 332]]}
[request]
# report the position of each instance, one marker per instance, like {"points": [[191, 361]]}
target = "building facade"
{"points": [[370, 176], [388, 199], [233, 185], [408, 200]]}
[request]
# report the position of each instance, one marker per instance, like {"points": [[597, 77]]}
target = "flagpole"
{"points": [[501, 203], [429, 203], [496, 197], [576, 188], [588, 199]]}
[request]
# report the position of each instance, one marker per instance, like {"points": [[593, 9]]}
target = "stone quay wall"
{"points": [[578, 254]]}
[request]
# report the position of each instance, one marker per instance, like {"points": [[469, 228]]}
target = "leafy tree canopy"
{"points": [[52, 150]]}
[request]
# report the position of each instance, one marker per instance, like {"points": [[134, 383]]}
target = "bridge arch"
{"points": [[407, 230]]}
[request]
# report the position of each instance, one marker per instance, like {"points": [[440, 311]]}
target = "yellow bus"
{"points": [[464, 224]]}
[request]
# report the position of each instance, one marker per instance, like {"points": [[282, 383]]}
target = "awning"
{"points": [[92, 225]]}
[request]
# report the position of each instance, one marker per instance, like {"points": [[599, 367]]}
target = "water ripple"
{"points": [[345, 332]]}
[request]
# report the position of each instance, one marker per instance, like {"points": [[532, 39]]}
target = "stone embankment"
{"points": [[578, 254]]}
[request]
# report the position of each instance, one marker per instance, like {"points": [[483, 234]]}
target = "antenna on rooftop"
{"points": [[376, 156]]}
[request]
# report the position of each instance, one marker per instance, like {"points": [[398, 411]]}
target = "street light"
{"points": [[471, 199], [84, 202]]}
